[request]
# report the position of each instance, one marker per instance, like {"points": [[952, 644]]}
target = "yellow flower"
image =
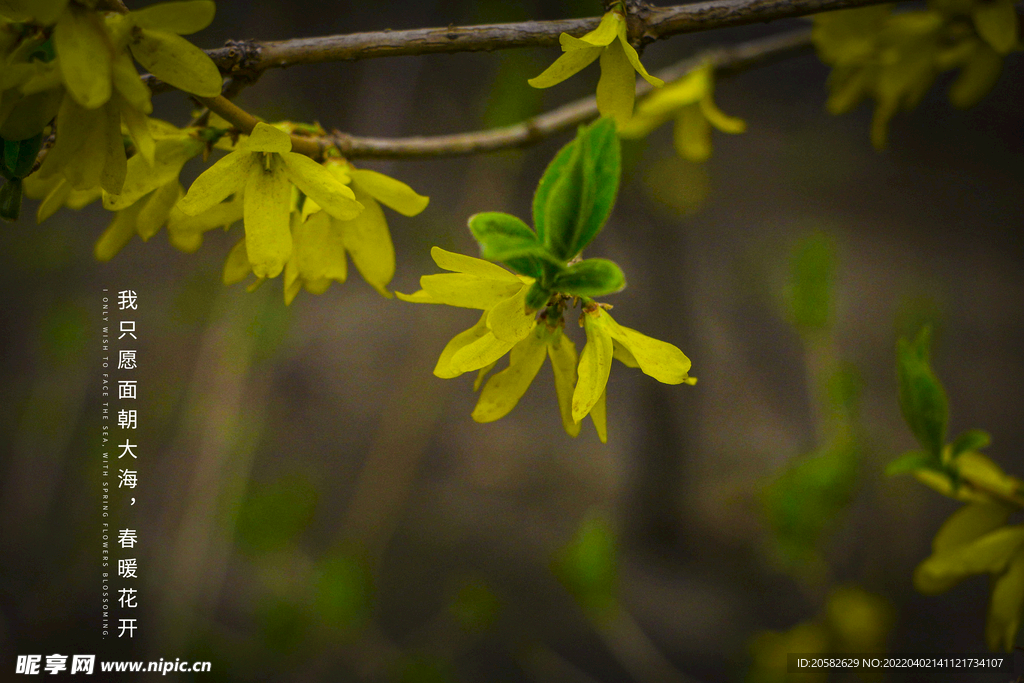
{"points": [[617, 88], [690, 101], [504, 389], [475, 283], [321, 240], [263, 169], [606, 339]]}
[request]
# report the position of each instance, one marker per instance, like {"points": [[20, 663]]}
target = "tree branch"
{"points": [[726, 59], [651, 23]]}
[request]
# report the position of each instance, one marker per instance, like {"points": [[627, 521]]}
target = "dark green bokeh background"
{"points": [[315, 505]]}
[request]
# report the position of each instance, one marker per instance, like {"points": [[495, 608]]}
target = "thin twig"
{"points": [[728, 59], [652, 23]]}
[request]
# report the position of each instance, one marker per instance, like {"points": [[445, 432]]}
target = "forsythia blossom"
{"points": [[617, 88], [690, 101], [263, 169]]}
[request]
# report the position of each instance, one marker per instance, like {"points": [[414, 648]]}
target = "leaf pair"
{"points": [[573, 201]]}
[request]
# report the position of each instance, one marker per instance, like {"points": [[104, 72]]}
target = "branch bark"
{"points": [[727, 59], [652, 23]]}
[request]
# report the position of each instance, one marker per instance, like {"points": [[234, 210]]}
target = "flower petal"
{"points": [[617, 87], [444, 369], [509, 320], [717, 118], [482, 352], [692, 134], [599, 415], [634, 60], [612, 25], [177, 62], [660, 360], [418, 297], [85, 54], [368, 241], [562, 353], [468, 291], [226, 177], [595, 365], [459, 263], [317, 183], [318, 249], [389, 192], [503, 391], [565, 66], [266, 138], [177, 17], [236, 267], [266, 208]]}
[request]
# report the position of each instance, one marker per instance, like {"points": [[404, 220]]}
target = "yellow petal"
{"points": [[634, 61], [482, 352], [317, 183], [266, 138], [468, 291], [612, 26], [186, 232], [177, 62], [129, 85], [595, 365], [509, 320], [215, 184], [318, 250], [718, 119], [660, 360], [53, 200], [156, 208], [562, 353], [970, 522], [85, 55], [117, 234], [268, 239], [481, 375], [115, 162], [1005, 607], [417, 297], [565, 66], [177, 17], [138, 129], [368, 241], [144, 176], [599, 415], [989, 554], [444, 368], [236, 267], [503, 391], [459, 263], [617, 87], [622, 354], [389, 191], [692, 134], [77, 127]]}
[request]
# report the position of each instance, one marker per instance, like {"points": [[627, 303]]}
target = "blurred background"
{"points": [[315, 505]]}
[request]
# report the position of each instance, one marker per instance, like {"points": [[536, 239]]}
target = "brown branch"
{"points": [[650, 23], [726, 59]]}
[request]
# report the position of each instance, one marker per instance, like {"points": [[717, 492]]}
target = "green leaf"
{"points": [[922, 399], [580, 200], [588, 568], [537, 297], [812, 273], [10, 200], [552, 174], [590, 277], [503, 237], [971, 440], [908, 462]]}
